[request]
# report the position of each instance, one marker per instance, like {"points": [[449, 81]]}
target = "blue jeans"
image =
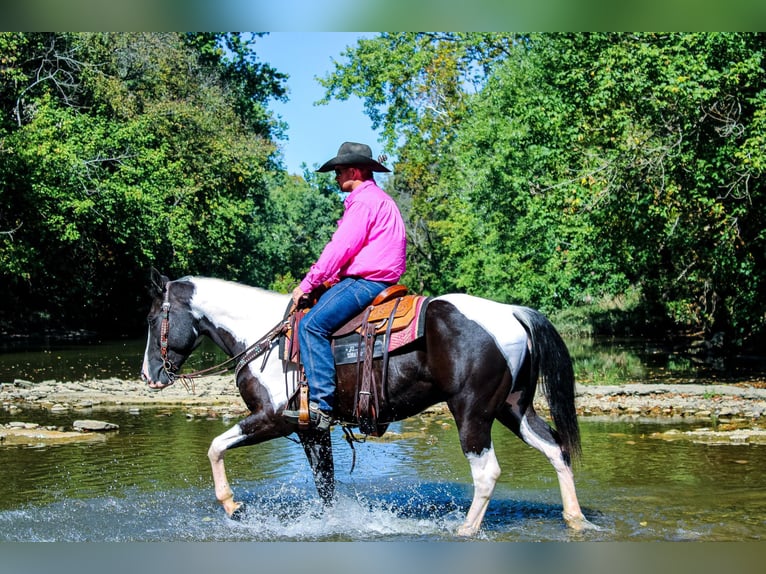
{"points": [[338, 305]]}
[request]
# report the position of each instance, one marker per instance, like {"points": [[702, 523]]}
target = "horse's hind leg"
{"points": [[485, 471], [318, 448], [476, 441], [538, 434]]}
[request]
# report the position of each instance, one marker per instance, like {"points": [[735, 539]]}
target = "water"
{"points": [[151, 482], [82, 361], [596, 361]]}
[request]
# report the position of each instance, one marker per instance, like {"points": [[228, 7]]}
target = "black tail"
{"points": [[551, 364]]}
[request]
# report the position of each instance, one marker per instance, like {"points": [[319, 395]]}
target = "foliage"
{"points": [[304, 214], [558, 169], [416, 87], [125, 151]]}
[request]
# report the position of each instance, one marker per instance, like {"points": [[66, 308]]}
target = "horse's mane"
{"points": [[226, 282], [252, 307]]}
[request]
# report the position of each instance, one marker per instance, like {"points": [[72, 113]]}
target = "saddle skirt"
{"points": [[395, 323]]}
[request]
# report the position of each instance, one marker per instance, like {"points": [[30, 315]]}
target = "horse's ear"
{"points": [[157, 283]]}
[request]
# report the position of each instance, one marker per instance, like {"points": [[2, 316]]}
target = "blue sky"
{"points": [[315, 132]]}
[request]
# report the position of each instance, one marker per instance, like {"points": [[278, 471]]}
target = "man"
{"points": [[366, 254]]}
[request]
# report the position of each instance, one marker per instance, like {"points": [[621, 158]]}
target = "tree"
{"points": [[125, 151], [416, 86], [584, 165]]}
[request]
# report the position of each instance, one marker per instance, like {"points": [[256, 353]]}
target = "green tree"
{"points": [[579, 165], [303, 215], [416, 87], [125, 151]]}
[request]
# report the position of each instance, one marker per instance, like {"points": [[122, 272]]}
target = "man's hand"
{"points": [[298, 294]]}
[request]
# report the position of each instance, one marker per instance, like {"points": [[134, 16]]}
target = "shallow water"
{"points": [[150, 481]]}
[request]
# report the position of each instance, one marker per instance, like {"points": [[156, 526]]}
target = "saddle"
{"points": [[393, 319]]}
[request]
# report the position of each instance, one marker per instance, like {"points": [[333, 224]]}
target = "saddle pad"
{"points": [[346, 349], [405, 311]]}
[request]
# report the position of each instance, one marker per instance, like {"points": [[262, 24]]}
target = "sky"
{"points": [[315, 132]]}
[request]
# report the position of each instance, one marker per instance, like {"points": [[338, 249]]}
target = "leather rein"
{"points": [[242, 359]]}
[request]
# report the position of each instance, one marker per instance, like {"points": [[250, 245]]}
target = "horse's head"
{"points": [[173, 332]]}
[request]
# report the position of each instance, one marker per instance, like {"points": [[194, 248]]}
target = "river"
{"points": [[150, 481]]}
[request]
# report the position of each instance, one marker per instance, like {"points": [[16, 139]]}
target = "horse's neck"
{"points": [[234, 315]]}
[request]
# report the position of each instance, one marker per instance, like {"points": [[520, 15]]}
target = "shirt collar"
{"points": [[352, 196]]}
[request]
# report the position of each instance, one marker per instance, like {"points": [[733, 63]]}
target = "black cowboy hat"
{"points": [[353, 154]]}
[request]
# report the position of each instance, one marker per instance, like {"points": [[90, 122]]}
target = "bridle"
{"points": [[242, 359]]}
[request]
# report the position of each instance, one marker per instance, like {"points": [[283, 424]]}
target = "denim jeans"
{"points": [[340, 303]]}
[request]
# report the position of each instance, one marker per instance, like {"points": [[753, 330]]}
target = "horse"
{"points": [[482, 358]]}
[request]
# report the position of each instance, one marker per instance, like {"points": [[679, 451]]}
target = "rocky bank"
{"points": [[728, 408]]}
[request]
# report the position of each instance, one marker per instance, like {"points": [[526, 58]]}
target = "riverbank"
{"points": [[718, 413], [743, 404]]}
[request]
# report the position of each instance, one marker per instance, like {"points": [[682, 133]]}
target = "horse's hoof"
{"points": [[239, 513], [581, 523]]}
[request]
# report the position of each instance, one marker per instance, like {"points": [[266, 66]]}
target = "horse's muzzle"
{"points": [[155, 385]]}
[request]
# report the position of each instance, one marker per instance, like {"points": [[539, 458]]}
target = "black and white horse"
{"points": [[480, 357]]}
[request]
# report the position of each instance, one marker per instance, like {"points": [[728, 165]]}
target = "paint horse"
{"points": [[482, 358]]}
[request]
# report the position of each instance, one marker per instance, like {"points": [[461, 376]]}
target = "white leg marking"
{"points": [[215, 453], [485, 471], [572, 513]]}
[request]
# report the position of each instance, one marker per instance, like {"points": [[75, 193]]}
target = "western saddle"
{"points": [[393, 312]]}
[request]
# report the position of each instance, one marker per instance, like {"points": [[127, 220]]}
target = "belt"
{"points": [[358, 277]]}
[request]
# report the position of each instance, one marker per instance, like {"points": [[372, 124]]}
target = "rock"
{"points": [[41, 437], [94, 426]]}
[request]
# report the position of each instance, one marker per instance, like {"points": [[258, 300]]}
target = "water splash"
{"points": [[275, 513]]}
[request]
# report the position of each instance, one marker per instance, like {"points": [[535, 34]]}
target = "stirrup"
{"points": [[317, 419]]}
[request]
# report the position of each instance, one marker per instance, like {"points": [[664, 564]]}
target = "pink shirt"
{"points": [[370, 241]]}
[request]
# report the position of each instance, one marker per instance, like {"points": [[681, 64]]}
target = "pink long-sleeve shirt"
{"points": [[370, 241]]}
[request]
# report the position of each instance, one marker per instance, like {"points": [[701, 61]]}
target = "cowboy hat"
{"points": [[353, 154]]}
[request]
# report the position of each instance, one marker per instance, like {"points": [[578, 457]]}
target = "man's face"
{"points": [[345, 177]]}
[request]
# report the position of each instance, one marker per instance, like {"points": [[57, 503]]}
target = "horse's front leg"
{"points": [[215, 453], [318, 448]]}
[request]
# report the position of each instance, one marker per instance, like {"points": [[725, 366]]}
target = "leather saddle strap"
{"points": [[364, 366], [386, 345], [303, 407], [359, 350], [368, 405], [367, 343]]}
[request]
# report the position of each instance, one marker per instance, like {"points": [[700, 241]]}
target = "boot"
{"points": [[317, 419]]}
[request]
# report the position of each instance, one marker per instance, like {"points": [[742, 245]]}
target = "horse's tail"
{"points": [[551, 365]]}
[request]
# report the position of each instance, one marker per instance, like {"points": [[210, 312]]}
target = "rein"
{"points": [[252, 352]]}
